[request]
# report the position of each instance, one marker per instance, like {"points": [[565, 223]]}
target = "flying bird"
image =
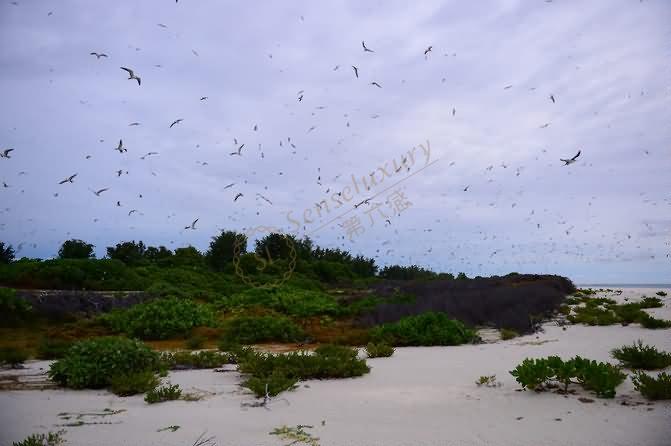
{"points": [[131, 75], [428, 50], [5, 153], [238, 196], [268, 201], [192, 225], [131, 211], [176, 121], [120, 147], [148, 154], [507, 87], [239, 152], [229, 185], [570, 161], [366, 49], [544, 125], [356, 71], [68, 179], [98, 55], [98, 192], [466, 188], [133, 124], [376, 84], [203, 98], [552, 98]]}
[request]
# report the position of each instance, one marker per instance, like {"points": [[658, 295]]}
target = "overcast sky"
{"points": [[479, 103]]}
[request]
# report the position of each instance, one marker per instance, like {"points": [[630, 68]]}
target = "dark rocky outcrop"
{"points": [[515, 301]]}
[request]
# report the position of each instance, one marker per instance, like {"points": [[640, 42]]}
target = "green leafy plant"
{"points": [[425, 329], [163, 393], [195, 342], [661, 293], [254, 329], [133, 383], [52, 348], [651, 302], [532, 373], [13, 309], [205, 359], [381, 350], [508, 334], [92, 363], [488, 381], [653, 388], [648, 321], [48, 439], [12, 356], [644, 357], [160, 318]]}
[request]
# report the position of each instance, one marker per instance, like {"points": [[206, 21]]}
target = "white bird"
{"points": [[131, 75], [192, 225], [120, 147], [239, 152], [68, 179], [98, 192], [176, 121], [365, 48], [5, 153], [148, 154], [570, 161], [98, 55]]}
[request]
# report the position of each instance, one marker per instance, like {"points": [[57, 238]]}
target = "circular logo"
{"points": [[278, 246]]}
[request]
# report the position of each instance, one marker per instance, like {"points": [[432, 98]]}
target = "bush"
{"points": [[600, 377], [661, 293], [13, 309], [92, 363], [287, 300], [651, 302], [6, 253], [49, 439], [379, 350], [653, 388], [648, 321], [76, 249], [282, 371], [52, 348], [639, 356], [508, 334], [133, 383], [12, 356], [205, 359], [160, 318], [163, 393], [254, 329], [195, 342], [425, 329]]}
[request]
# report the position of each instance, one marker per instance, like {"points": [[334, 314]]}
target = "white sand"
{"points": [[420, 396]]}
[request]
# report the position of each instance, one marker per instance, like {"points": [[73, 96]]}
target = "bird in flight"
{"points": [[192, 225], [544, 125], [552, 97], [98, 55], [356, 71], [365, 48], [133, 124], [131, 75], [203, 98], [376, 84], [131, 211], [229, 185], [99, 191], [264, 198], [148, 154], [466, 188], [572, 160], [239, 152], [507, 87], [176, 121], [428, 50], [5, 153], [68, 179], [120, 147], [238, 196]]}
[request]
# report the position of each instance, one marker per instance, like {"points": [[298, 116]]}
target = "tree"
{"points": [[276, 246], [363, 267], [76, 249], [130, 253], [154, 254], [187, 256], [461, 276], [6, 253], [222, 248]]}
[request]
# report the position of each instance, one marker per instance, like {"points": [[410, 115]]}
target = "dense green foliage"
{"points": [[374, 350], [600, 377], [76, 249], [605, 311], [269, 328], [127, 384], [221, 251], [12, 356], [163, 393], [52, 348], [205, 359], [6, 253], [413, 272], [195, 342], [48, 439], [425, 329], [661, 293], [13, 309], [651, 302], [639, 356], [160, 319], [287, 300], [653, 388], [93, 363], [282, 371]]}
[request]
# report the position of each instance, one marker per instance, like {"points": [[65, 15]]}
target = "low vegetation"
{"points": [[643, 357], [48, 439], [605, 311], [268, 328], [281, 372], [127, 384], [52, 348], [661, 293], [425, 329], [12, 357], [653, 388], [488, 381], [508, 334], [205, 359], [163, 393], [600, 377], [13, 309], [195, 342], [380, 350]]}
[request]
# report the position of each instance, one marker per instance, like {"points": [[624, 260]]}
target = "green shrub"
{"points": [[602, 378], [49, 439], [13, 309], [565, 310], [379, 350], [629, 313], [508, 334], [572, 301], [282, 371], [651, 302], [12, 356], [133, 383], [205, 359], [425, 329], [92, 363], [639, 356], [286, 299], [52, 348], [195, 342], [648, 321], [488, 381], [160, 318], [661, 293], [593, 315], [255, 329], [163, 393], [653, 388]]}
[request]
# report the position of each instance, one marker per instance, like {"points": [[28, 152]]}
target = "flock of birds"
{"points": [[384, 250]]}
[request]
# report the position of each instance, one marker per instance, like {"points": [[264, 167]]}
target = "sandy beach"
{"points": [[419, 396]]}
